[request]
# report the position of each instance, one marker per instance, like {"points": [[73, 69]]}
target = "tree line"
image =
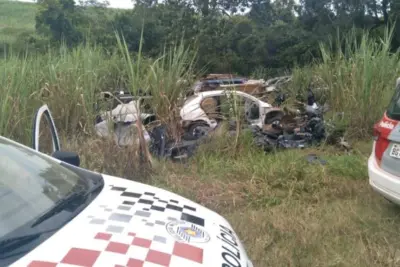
{"points": [[238, 36]]}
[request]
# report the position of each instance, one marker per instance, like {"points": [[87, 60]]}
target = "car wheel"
{"points": [[273, 119], [197, 130]]}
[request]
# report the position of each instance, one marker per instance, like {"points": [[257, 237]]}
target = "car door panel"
{"points": [[44, 111]]}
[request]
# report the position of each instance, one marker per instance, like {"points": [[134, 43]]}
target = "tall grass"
{"points": [[134, 81], [69, 82], [358, 72], [169, 78], [65, 80], [359, 75], [166, 79]]}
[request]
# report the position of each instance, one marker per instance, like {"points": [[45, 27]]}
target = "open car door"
{"points": [[44, 111], [68, 157]]}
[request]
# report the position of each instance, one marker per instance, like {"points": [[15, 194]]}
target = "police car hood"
{"points": [[136, 225]]}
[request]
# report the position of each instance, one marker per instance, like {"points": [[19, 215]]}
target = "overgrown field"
{"points": [[287, 211], [16, 20]]}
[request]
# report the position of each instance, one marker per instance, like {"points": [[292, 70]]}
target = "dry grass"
{"points": [[104, 156], [289, 212]]}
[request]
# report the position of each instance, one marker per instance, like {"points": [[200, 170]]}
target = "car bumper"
{"points": [[384, 183]]}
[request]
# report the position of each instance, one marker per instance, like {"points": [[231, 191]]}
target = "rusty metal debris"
{"points": [[313, 158], [258, 87], [294, 128]]}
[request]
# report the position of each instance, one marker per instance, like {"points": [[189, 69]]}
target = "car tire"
{"points": [[197, 130], [272, 119]]}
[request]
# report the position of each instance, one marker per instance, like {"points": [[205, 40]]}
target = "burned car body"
{"points": [[201, 114], [294, 129], [205, 109]]}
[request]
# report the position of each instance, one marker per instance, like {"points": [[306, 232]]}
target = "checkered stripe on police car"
{"points": [[116, 243], [149, 202], [135, 251], [144, 208]]}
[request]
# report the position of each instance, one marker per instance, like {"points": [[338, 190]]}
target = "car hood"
{"points": [[132, 224]]}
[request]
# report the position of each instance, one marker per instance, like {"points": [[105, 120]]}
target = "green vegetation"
{"points": [[66, 81], [271, 37], [16, 20], [289, 212], [354, 76]]}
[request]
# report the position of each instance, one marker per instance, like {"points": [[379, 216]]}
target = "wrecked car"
{"points": [[294, 128], [55, 213], [204, 111], [121, 121], [124, 107]]}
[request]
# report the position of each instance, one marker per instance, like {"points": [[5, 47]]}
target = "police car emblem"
{"points": [[187, 232]]}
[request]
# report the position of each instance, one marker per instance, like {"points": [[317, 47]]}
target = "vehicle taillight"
{"points": [[376, 132], [381, 143]]}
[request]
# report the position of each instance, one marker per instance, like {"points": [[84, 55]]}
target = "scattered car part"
{"points": [[312, 158], [161, 147], [294, 129], [343, 143], [124, 133], [126, 112], [197, 130], [120, 122]]}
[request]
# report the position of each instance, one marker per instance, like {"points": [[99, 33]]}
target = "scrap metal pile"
{"points": [[299, 129], [207, 105]]}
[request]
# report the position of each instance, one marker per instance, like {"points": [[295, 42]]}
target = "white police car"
{"points": [[56, 214]]}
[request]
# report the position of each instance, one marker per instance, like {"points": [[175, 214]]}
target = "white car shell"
{"points": [[192, 111], [124, 116]]}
